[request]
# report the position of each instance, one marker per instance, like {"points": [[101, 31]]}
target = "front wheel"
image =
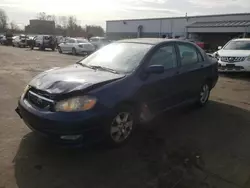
{"points": [[121, 127], [204, 94]]}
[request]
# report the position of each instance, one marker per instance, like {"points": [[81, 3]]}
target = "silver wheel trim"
{"points": [[204, 94], [121, 126]]}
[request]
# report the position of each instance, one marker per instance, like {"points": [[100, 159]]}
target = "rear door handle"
{"points": [[202, 66]]}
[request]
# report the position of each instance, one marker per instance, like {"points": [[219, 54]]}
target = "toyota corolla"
{"points": [[105, 95]]}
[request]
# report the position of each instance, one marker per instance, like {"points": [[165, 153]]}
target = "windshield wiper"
{"points": [[98, 67], [105, 69], [84, 65]]}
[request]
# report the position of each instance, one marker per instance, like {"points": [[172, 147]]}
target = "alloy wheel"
{"points": [[204, 94], [121, 127]]}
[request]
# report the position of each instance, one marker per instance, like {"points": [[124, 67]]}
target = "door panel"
{"points": [[191, 71], [160, 91]]}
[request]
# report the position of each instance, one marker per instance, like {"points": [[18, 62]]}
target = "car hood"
{"points": [[234, 53], [72, 78]]}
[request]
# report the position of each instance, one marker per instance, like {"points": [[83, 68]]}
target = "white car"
{"points": [[234, 56], [19, 41], [76, 46], [99, 42]]}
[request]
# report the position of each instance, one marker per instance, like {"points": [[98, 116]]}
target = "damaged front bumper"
{"points": [[63, 126]]}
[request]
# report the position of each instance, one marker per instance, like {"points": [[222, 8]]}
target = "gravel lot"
{"points": [[185, 148]]}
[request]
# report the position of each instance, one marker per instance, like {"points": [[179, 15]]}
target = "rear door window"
{"points": [[188, 54], [165, 56], [71, 41]]}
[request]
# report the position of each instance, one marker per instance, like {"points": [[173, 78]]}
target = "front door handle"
{"points": [[177, 72], [202, 66]]}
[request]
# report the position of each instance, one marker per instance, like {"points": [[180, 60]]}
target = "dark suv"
{"points": [[44, 41], [106, 94]]}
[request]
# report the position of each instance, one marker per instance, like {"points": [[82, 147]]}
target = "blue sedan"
{"points": [[105, 95]]}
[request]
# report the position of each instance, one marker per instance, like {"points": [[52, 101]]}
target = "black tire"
{"points": [[31, 47], [53, 49], [74, 51], [59, 50], [204, 94], [119, 133]]}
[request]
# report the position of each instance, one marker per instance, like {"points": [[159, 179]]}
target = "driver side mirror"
{"points": [[219, 47], [155, 69]]}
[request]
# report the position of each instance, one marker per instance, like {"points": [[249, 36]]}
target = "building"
{"points": [[40, 27], [210, 28]]}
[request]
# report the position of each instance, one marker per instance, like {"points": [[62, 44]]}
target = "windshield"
{"points": [[237, 45], [82, 41], [121, 57]]}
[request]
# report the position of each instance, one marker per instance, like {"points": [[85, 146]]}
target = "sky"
{"points": [[96, 12]]}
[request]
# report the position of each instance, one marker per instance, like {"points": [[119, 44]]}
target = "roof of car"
{"points": [[153, 41], [242, 39]]}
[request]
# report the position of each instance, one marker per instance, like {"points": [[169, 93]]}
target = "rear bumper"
{"points": [[90, 126]]}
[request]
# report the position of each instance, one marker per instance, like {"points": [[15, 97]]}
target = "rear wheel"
{"points": [[74, 51], [204, 94], [59, 50]]}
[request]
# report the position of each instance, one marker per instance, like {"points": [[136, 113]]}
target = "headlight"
{"points": [[248, 58], [81, 103]]}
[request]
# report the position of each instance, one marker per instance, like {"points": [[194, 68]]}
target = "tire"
{"points": [[120, 128], [59, 50], [31, 47], [74, 51], [204, 94], [53, 49]]}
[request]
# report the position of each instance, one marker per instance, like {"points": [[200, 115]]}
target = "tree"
{"points": [[41, 16], [44, 16], [62, 21], [94, 30], [3, 20], [14, 26]]}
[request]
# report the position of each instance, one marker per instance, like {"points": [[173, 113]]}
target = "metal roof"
{"points": [[235, 23], [181, 17]]}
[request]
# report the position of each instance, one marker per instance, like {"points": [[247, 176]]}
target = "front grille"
{"points": [[232, 59], [42, 93], [39, 101]]}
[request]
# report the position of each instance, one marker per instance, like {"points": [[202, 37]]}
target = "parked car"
{"points": [[234, 56], [76, 46], [20, 41], [44, 41], [30, 40], [99, 42], [7, 38], [59, 40], [2, 39], [107, 93]]}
